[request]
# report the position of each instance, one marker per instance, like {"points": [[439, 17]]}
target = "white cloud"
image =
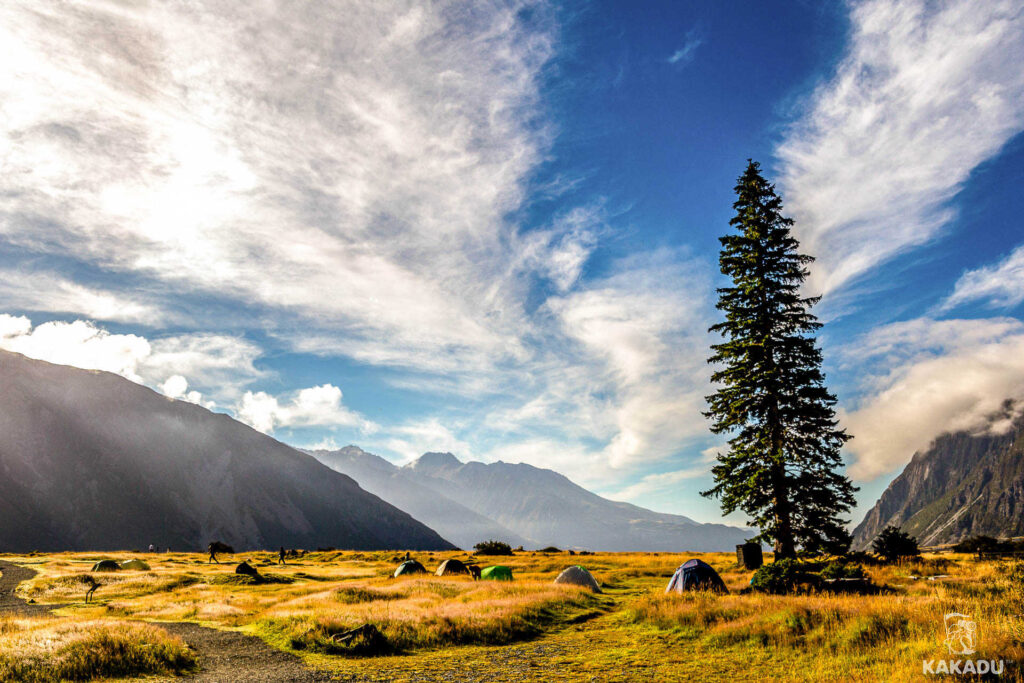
{"points": [[416, 438], [176, 386], [1001, 284], [219, 363], [77, 343], [925, 92], [319, 406], [925, 377], [652, 483], [40, 290], [644, 334], [349, 165]]}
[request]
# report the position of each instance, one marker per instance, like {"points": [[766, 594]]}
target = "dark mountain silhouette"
{"points": [[90, 460], [963, 485], [538, 505]]}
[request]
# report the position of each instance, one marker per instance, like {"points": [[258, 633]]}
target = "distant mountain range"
{"points": [[963, 485], [522, 505], [92, 461]]}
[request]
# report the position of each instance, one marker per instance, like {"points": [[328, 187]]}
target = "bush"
{"points": [[493, 548], [782, 576], [842, 570], [893, 544], [549, 549]]}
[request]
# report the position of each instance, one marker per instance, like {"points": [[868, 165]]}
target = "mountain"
{"points": [[90, 460], [963, 485], [543, 507], [400, 487]]}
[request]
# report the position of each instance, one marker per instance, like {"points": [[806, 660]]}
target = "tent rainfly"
{"points": [[452, 566], [578, 576], [498, 572], [410, 567], [696, 575]]}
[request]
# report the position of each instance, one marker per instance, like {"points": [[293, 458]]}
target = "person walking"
{"points": [[280, 556]]}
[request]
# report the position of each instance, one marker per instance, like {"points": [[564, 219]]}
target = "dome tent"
{"points": [[410, 567], [449, 567], [696, 575], [578, 576], [498, 572], [135, 564], [106, 566]]}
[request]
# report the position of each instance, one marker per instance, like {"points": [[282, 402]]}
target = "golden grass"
{"points": [[58, 649], [532, 628]]}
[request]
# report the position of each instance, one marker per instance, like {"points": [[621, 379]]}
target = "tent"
{"points": [[498, 572], [578, 576], [106, 566], [449, 567], [696, 575], [410, 567], [136, 564]]}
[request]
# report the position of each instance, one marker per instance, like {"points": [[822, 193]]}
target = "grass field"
{"points": [[453, 628]]}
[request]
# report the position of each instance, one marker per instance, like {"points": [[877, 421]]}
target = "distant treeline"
{"points": [[987, 544]]}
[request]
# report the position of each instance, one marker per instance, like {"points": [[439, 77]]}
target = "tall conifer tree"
{"points": [[783, 464]]}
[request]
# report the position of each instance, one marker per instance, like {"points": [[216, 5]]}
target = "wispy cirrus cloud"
{"points": [[685, 54], [353, 173], [998, 285], [924, 93]]}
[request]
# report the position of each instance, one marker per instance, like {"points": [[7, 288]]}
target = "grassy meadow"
{"points": [[530, 629]]}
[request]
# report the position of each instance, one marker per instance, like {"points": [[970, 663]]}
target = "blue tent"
{"points": [[696, 575]]}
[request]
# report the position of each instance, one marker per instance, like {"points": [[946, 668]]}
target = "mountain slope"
{"points": [[963, 485], [547, 508], [399, 486], [90, 460]]}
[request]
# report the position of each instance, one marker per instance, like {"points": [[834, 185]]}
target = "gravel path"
{"points": [[223, 655]]}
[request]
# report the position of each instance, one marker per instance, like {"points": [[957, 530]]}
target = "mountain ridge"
{"points": [[546, 508], [964, 484], [92, 461]]}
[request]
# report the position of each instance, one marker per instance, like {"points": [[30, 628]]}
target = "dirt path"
{"points": [[223, 655]]}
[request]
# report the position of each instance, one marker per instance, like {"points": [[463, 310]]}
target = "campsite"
{"points": [[453, 627]]}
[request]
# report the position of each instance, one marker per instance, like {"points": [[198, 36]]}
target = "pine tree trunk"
{"points": [[785, 547]]}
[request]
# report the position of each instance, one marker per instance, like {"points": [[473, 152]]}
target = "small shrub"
{"points": [[842, 570], [894, 545], [549, 549], [777, 578], [493, 548]]}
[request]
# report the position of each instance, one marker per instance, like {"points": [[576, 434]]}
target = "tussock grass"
{"points": [[436, 623], [47, 649], [428, 613]]}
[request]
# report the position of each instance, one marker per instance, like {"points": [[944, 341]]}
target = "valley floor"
{"points": [[189, 618]]}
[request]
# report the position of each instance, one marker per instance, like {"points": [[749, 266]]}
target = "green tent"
{"points": [[106, 566], [136, 564], [498, 572], [410, 567]]}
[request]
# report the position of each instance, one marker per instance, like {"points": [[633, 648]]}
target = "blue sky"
{"points": [[491, 227]]}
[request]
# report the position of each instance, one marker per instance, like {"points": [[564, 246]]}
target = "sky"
{"points": [[491, 228]]}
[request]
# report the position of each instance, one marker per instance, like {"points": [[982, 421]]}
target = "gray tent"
{"points": [[106, 566], [578, 576], [452, 566], [410, 567]]}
